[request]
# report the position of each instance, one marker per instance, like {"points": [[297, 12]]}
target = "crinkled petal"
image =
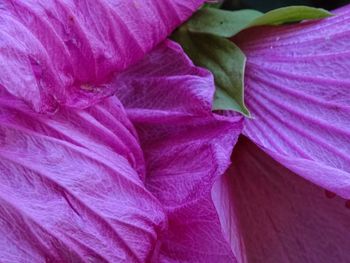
{"points": [[66, 52], [72, 187], [186, 148], [279, 216], [297, 88], [73, 184]]}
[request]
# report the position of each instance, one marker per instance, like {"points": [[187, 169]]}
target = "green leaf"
{"points": [[224, 59], [228, 23], [290, 14], [221, 23]]}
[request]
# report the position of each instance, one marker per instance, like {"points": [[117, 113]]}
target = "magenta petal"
{"points": [[66, 52], [186, 149], [281, 217], [297, 88], [78, 185], [72, 189]]}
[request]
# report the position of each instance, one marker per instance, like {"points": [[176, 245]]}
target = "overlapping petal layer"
{"points": [[186, 149], [79, 186], [66, 52], [281, 217], [297, 88], [70, 190]]}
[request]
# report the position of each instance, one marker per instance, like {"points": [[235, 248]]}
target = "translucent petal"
{"points": [[277, 216], [297, 87]]}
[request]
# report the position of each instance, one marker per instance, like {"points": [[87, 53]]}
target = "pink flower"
{"points": [[86, 176], [297, 88], [124, 179], [67, 52], [271, 214], [186, 149]]}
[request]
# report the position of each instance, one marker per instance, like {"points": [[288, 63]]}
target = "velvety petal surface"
{"points": [[298, 90], [72, 188], [280, 216], [66, 52], [81, 185], [186, 148]]}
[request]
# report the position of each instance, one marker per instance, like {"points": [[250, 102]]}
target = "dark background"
{"points": [[266, 5]]}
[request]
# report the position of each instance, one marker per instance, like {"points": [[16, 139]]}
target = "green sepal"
{"points": [[224, 60], [221, 23], [290, 14], [225, 23]]}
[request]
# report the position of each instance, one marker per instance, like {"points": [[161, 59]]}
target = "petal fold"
{"points": [[279, 216], [85, 184], [186, 149], [66, 52], [297, 87], [72, 187]]}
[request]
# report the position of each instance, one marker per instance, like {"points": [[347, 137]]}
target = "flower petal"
{"points": [[66, 52], [297, 86], [72, 189], [281, 217], [72, 183], [186, 149]]}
